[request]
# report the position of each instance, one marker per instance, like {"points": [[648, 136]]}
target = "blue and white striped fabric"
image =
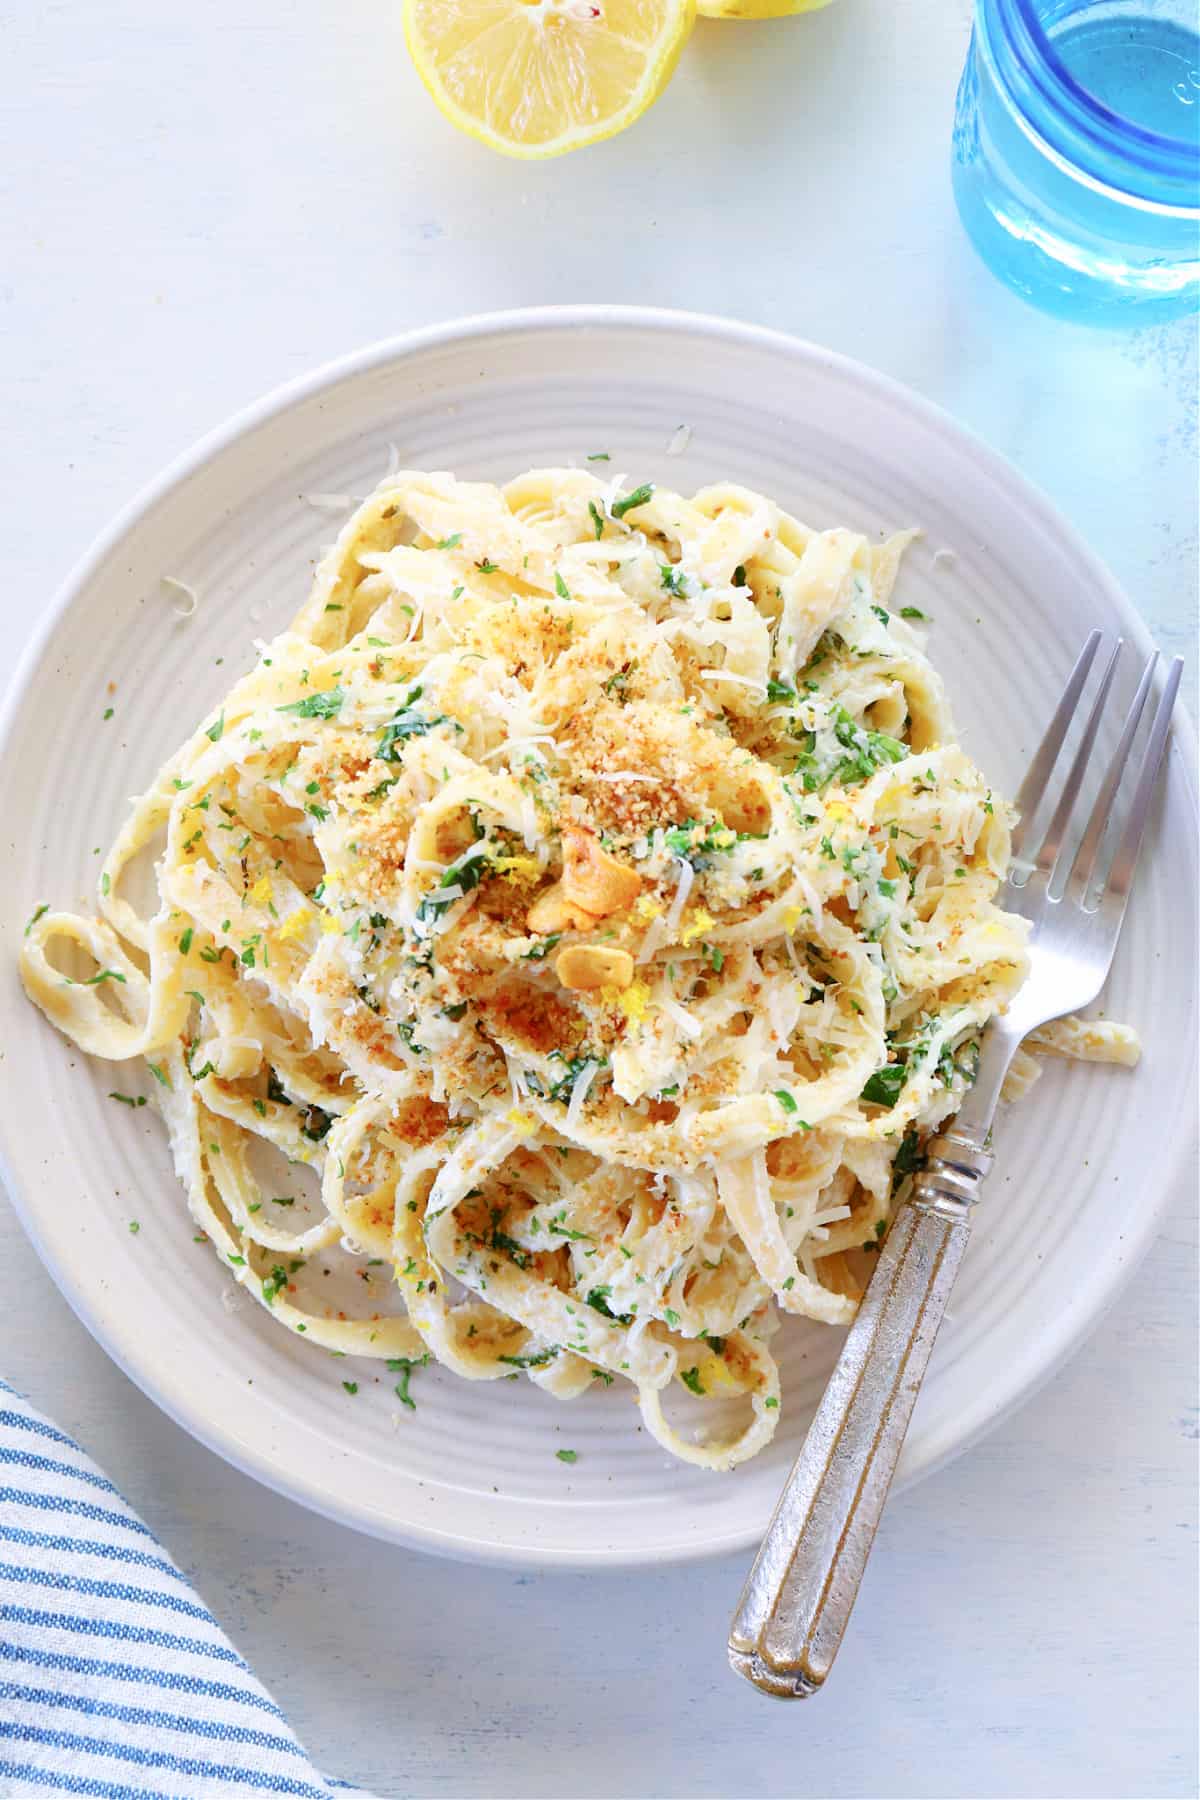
{"points": [[115, 1679]]}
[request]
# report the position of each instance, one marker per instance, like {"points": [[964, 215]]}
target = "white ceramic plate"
{"points": [[1083, 1165]]}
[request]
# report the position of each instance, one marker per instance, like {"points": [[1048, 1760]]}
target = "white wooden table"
{"points": [[200, 201]]}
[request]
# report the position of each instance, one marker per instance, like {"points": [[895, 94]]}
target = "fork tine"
{"points": [[1084, 866], [1124, 862], [1056, 831], [1031, 790]]}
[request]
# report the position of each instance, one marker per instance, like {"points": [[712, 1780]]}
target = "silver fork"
{"points": [[797, 1600]]}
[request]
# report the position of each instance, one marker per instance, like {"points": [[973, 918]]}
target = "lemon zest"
{"points": [[696, 926], [714, 1373], [517, 868], [295, 924], [633, 1001]]}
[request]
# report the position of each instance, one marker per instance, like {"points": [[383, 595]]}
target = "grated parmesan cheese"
{"points": [[579, 1093], [687, 876]]}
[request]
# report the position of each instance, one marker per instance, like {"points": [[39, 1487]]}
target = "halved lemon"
{"points": [[756, 9], [538, 77]]}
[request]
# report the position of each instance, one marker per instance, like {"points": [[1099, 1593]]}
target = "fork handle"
{"points": [[799, 1595]]}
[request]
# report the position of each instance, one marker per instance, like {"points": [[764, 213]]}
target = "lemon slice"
{"points": [[756, 9], [537, 77]]}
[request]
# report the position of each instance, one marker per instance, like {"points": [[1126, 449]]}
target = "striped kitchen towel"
{"points": [[115, 1679]]}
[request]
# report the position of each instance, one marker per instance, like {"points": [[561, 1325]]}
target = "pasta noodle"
{"points": [[588, 888]]}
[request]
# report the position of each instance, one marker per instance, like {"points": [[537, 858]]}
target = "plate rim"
{"points": [[1123, 1258]]}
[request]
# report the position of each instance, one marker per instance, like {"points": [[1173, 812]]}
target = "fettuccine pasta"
{"points": [[587, 887]]}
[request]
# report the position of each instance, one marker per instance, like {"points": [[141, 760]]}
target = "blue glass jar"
{"points": [[1077, 154]]}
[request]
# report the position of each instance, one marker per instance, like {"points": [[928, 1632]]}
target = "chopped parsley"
{"points": [[561, 1089], [884, 1087], [859, 752], [559, 1229], [274, 1284], [315, 1124], [405, 1366], [598, 1299], [537, 1359], [38, 913], [500, 1240], [540, 951], [627, 502], [691, 1379], [407, 723], [567, 1456], [325, 705], [465, 874], [697, 842]]}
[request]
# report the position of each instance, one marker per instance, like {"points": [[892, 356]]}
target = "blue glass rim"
{"points": [[1075, 121]]}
